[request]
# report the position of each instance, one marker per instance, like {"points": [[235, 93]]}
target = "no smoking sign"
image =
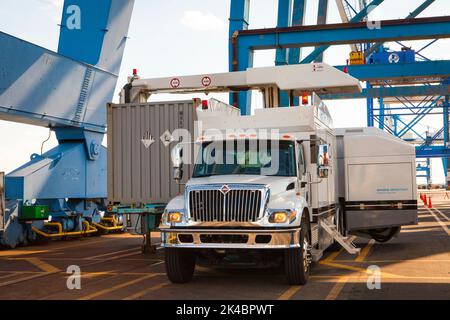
{"points": [[206, 81], [175, 83]]}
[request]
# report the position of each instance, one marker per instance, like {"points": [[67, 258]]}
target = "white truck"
{"points": [[282, 185]]}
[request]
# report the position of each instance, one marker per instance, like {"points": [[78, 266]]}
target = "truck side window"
{"points": [[301, 160]]}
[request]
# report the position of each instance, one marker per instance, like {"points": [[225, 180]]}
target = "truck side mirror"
{"points": [[177, 174], [177, 160]]}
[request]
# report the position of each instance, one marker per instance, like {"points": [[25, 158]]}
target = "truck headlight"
{"points": [[174, 217], [282, 216]]}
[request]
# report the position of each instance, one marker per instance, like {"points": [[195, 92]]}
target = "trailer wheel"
{"points": [[180, 265], [385, 234], [297, 260]]}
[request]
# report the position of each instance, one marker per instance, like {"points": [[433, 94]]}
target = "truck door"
{"points": [[301, 173]]}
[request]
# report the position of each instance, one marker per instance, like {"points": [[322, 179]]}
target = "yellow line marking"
{"points": [[111, 258], [85, 242], [44, 266], [364, 271], [12, 253], [7, 283], [337, 288], [442, 224], [9, 275], [289, 293], [399, 260], [399, 277], [442, 214], [365, 251], [110, 253], [119, 286], [333, 255], [144, 292]]}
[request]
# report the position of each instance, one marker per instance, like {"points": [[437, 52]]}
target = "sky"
{"points": [[181, 37]]}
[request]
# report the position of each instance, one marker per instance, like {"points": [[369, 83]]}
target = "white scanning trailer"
{"points": [[377, 189], [327, 186]]}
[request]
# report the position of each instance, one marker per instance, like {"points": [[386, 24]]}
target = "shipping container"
{"points": [[139, 144]]}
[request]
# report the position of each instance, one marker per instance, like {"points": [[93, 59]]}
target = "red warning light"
{"points": [[134, 72], [305, 100], [204, 104]]}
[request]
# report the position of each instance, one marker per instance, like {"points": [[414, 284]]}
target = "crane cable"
{"points": [[49, 136]]}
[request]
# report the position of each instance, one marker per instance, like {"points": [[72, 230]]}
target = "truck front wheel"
{"points": [[297, 260], [180, 265]]}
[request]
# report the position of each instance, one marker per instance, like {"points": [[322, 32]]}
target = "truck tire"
{"points": [[180, 265], [297, 260], [384, 235]]}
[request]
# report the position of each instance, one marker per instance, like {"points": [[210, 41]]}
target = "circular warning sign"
{"points": [[206, 81], [175, 83]]}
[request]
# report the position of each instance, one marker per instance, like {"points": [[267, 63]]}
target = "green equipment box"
{"points": [[34, 213]]}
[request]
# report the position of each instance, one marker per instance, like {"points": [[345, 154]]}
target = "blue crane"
{"points": [[67, 92], [418, 86]]}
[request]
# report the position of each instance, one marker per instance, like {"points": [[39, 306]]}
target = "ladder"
{"points": [[345, 242]]}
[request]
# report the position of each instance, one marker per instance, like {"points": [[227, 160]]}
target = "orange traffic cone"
{"points": [[424, 199], [430, 205]]}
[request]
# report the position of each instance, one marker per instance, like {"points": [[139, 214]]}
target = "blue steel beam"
{"points": [[446, 135], [317, 54], [400, 71], [239, 20], [239, 16], [245, 42], [284, 20], [344, 33], [413, 14], [412, 129], [386, 92], [432, 152], [419, 116], [370, 114], [281, 56], [322, 13], [298, 19]]}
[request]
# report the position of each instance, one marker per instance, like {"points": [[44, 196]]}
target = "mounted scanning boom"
{"points": [[296, 79]]}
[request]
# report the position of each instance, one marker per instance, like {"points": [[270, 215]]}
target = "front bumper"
{"points": [[231, 239]]}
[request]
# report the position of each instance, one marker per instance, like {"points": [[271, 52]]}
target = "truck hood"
{"points": [[277, 185]]}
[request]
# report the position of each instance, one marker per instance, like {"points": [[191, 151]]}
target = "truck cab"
{"points": [[259, 186]]}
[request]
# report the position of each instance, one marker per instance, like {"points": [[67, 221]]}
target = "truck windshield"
{"points": [[252, 157]]}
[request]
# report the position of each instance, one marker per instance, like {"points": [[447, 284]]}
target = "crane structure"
{"points": [[407, 85], [66, 91]]}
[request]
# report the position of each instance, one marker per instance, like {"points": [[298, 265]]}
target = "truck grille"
{"points": [[233, 206]]}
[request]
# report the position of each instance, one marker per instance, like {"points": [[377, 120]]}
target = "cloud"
{"points": [[58, 4], [54, 7], [202, 21]]}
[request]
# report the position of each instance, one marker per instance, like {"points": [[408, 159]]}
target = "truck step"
{"points": [[345, 242], [316, 255]]}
